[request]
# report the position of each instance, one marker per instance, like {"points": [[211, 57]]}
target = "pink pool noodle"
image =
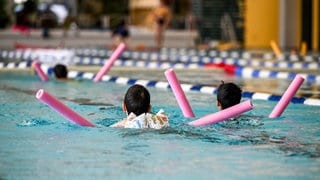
{"points": [[110, 62], [40, 73], [223, 114], [178, 93], [61, 108], [286, 97]]}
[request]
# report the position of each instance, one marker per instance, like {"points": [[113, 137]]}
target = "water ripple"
{"points": [[34, 122]]}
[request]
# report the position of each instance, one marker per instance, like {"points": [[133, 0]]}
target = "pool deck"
{"points": [[96, 38]]}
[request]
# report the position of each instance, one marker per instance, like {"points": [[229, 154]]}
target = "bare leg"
{"points": [[159, 36]]}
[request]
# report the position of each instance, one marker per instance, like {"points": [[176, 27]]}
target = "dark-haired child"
{"points": [[229, 94], [137, 107], [60, 72]]}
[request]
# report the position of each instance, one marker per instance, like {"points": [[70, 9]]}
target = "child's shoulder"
{"points": [[159, 120], [147, 120]]}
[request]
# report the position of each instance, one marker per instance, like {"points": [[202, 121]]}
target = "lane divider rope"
{"points": [[162, 84]]}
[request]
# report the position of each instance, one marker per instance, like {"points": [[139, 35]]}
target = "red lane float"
{"points": [[228, 68]]}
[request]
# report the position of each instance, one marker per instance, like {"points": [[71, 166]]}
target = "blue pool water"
{"points": [[36, 142]]}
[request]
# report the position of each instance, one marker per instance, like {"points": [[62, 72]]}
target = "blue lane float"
{"points": [[183, 61], [239, 71], [255, 73], [245, 72], [202, 53], [246, 60], [238, 54], [28, 56], [164, 85], [193, 52]]}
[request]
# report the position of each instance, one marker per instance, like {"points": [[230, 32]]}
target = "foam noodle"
{"points": [[40, 73], [303, 50], [178, 93], [275, 48], [223, 114], [286, 97], [110, 62], [61, 108]]}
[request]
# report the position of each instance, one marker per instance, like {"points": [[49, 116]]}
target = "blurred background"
{"points": [[247, 24]]}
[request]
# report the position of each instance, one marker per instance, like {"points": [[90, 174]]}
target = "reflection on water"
{"points": [[8, 88]]}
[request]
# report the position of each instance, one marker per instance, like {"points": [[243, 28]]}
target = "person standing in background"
{"points": [[121, 34], [161, 17], [48, 20]]}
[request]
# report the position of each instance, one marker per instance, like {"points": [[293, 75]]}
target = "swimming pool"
{"points": [[38, 142]]}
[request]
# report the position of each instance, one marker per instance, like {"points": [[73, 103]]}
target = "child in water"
{"points": [[137, 107], [229, 94], [60, 72]]}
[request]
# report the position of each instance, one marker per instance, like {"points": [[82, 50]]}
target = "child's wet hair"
{"points": [[137, 100], [60, 71], [229, 94]]}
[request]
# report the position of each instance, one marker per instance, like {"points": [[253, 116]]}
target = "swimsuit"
{"points": [[147, 120]]}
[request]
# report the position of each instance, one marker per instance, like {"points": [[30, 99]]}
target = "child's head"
{"points": [[228, 95], [60, 71], [137, 100]]}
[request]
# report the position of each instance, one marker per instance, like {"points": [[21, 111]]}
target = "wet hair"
{"points": [[137, 100], [60, 71], [229, 94]]}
